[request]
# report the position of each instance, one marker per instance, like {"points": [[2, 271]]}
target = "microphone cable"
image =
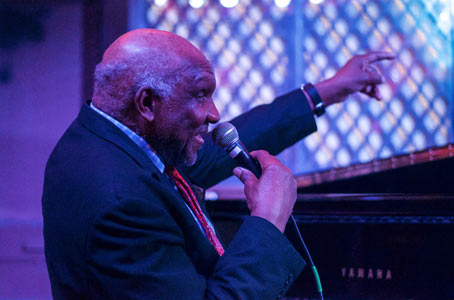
{"points": [[309, 257]]}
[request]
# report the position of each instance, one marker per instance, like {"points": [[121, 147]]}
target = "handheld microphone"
{"points": [[226, 136]]}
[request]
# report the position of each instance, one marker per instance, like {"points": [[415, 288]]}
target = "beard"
{"points": [[175, 151], [175, 137]]}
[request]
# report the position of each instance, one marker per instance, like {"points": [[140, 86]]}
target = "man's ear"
{"points": [[145, 101]]}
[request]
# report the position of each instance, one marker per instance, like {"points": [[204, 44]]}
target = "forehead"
{"points": [[199, 72]]}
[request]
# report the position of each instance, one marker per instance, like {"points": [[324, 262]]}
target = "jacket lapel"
{"points": [[106, 130]]}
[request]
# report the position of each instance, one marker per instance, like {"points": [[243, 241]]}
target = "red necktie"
{"points": [[188, 195]]}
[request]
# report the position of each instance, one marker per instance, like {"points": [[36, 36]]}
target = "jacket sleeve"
{"points": [[135, 250], [272, 127]]}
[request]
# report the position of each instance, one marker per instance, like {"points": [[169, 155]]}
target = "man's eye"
{"points": [[201, 94]]}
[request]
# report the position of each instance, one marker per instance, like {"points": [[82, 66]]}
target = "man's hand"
{"points": [[357, 75], [273, 195]]}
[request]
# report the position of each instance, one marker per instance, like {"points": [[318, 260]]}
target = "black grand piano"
{"points": [[378, 230]]}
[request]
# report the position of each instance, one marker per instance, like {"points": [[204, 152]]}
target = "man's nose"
{"points": [[213, 113]]}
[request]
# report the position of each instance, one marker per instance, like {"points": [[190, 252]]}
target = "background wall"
{"points": [[40, 97], [48, 50]]}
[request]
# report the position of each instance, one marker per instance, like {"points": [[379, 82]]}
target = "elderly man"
{"points": [[121, 216]]}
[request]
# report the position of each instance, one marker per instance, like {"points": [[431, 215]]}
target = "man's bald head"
{"points": [[141, 57], [161, 47]]}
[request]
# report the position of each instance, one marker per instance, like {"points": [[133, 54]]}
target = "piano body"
{"points": [[379, 230]]}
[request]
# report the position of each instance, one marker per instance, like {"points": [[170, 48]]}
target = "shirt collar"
{"points": [[135, 137]]}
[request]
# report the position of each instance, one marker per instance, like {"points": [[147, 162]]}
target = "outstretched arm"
{"points": [[289, 118]]}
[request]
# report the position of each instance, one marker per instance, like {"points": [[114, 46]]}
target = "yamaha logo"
{"points": [[366, 273]]}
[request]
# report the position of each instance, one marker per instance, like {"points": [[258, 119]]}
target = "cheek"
{"points": [[195, 118]]}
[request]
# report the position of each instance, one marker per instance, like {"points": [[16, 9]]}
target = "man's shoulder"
{"points": [[86, 160], [86, 174]]}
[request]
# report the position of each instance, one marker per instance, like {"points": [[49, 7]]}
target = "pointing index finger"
{"points": [[378, 56]]}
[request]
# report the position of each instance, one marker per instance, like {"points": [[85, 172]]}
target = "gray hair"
{"points": [[116, 83]]}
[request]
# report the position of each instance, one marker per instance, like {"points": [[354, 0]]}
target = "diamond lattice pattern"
{"points": [[255, 48]]}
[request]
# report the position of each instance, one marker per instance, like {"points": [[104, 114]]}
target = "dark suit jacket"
{"points": [[115, 228]]}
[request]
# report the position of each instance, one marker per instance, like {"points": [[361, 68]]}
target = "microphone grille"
{"points": [[224, 135]]}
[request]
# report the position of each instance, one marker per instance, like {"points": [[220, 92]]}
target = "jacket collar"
{"points": [[106, 130]]}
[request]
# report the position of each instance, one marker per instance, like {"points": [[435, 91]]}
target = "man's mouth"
{"points": [[198, 137]]}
